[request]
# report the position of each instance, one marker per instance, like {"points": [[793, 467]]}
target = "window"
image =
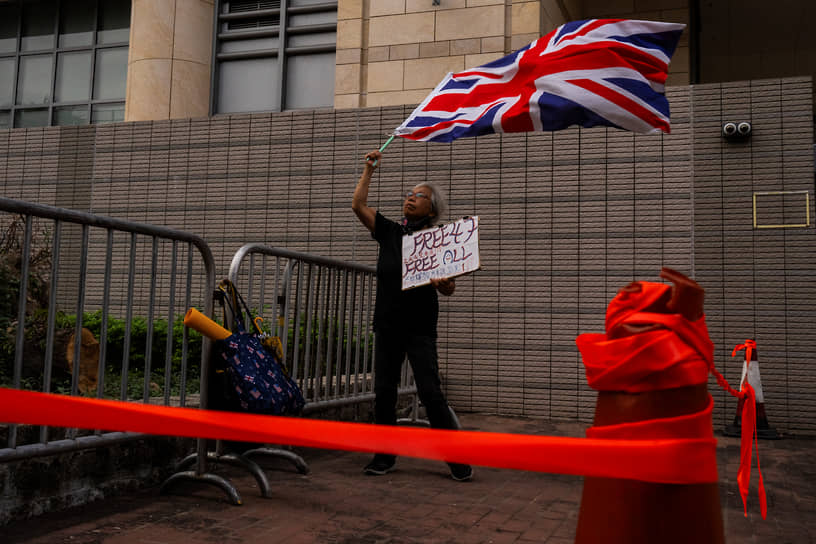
{"points": [[63, 62], [274, 55]]}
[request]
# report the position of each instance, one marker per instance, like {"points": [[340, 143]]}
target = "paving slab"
{"points": [[336, 503]]}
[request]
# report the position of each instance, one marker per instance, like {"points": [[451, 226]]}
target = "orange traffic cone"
{"points": [[750, 372], [628, 511]]}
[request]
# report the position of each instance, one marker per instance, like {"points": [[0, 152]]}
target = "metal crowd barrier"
{"points": [[321, 310], [71, 269], [74, 269]]}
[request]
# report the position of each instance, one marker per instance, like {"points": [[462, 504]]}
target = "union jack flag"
{"points": [[608, 72]]}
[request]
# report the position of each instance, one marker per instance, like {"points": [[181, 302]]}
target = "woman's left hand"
{"points": [[446, 286]]}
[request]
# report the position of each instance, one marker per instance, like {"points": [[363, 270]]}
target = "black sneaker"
{"points": [[381, 464], [460, 473]]}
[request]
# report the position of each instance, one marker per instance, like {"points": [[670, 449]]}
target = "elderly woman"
{"points": [[405, 321]]}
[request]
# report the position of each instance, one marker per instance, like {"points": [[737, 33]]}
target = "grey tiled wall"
{"points": [[567, 218]]}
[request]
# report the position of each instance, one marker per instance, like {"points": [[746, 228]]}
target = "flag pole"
{"points": [[388, 141]]}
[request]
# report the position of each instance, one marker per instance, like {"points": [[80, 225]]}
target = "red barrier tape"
{"points": [[656, 460], [748, 435]]}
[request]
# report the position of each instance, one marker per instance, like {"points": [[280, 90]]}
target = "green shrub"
{"points": [[114, 353]]}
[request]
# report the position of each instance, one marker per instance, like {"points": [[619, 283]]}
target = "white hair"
{"points": [[438, 204]]}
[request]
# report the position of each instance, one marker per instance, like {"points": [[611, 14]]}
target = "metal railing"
{"points": [[67, 269], [79, 274], [322, 310]]}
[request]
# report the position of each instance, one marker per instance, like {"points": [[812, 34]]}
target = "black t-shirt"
{"points": [[414, 311]]}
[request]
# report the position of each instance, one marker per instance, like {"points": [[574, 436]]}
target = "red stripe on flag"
{"points": [[626, 103], [605, 54], [586, 29]]}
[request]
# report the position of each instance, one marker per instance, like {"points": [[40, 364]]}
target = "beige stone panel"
{"points": [[434, 49], [190, 94], [151, 32], [349, 9], [495, 43], [385, 76], [478, 3], [525, 18], [350, 34], [572, 9], [426, 73], [677, 79], [413, 6], [347, 78], [680, 61], [348, 56], [478, 22], [398, 29], [472, 61], [345, 101], [405, 51], [378, 54], [469, 46], [517, 42], [396, 98], [378, 8], [148, 90], [193, 33], [550, 21]]}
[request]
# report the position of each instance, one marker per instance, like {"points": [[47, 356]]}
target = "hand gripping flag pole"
{"points": [[388, 141]]}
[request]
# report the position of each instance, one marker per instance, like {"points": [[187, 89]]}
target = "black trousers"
{"points": [[390, 350]]}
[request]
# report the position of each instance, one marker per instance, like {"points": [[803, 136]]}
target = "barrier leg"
{"points": [[297, 460], [208, 478]]}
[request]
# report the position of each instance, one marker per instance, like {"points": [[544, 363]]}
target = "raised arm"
{"points": [[359, 203]]}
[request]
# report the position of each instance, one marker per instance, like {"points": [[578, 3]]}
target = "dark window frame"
{"points": [[222, 33], [55, 52]]}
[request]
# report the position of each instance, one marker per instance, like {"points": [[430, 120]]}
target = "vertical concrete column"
{"points": [[170, 59], [557, 12], [349, 55], [525, 22]]}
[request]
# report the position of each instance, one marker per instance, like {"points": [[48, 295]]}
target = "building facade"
{"points": [[220, 121], [66, 62]]}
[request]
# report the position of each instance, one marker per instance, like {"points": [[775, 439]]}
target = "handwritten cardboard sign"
{"points": [[441, 252]]}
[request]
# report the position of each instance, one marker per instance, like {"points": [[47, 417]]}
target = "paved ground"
{"points": [[336, 503]]}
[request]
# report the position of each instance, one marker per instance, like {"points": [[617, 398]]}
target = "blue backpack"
{"points": [[257, 382]]}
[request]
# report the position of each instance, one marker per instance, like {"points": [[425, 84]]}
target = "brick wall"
{"points": [[567, 218], [760, 283]]}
